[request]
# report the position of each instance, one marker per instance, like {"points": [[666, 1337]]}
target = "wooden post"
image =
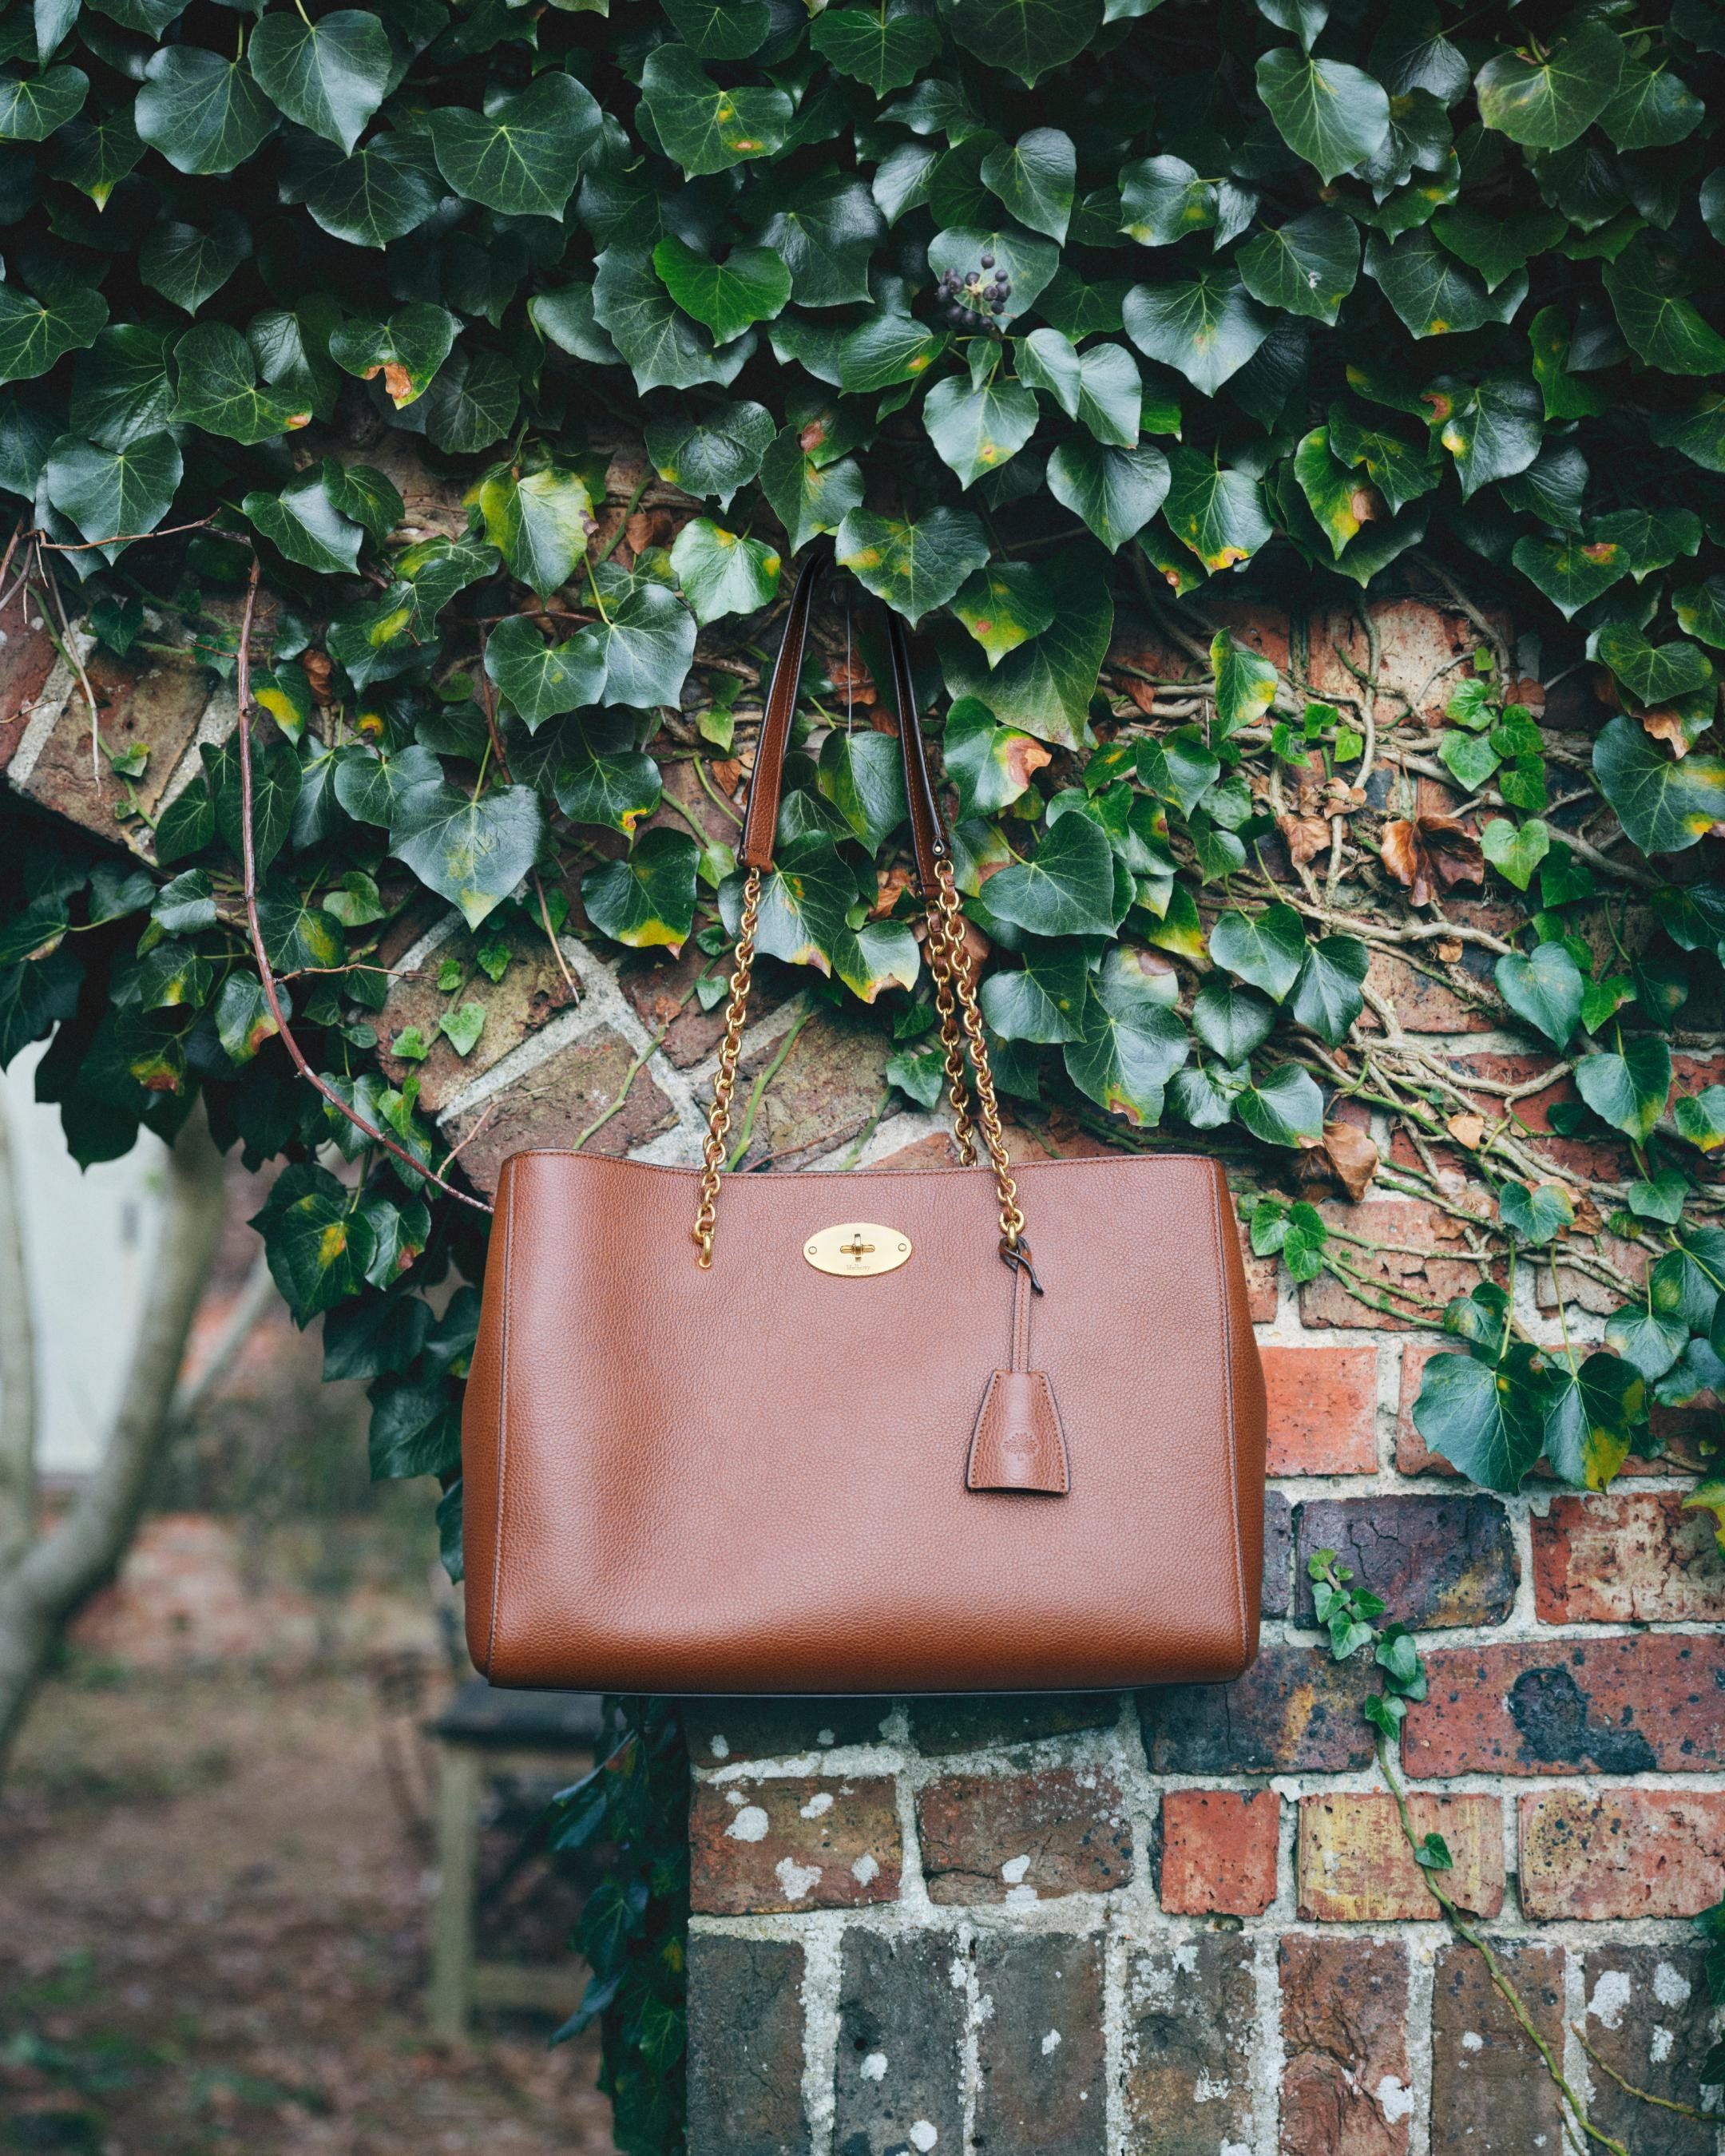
{"points": [[449, 1996]]}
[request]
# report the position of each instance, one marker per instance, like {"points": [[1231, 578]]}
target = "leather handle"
{"points": [[761, 820], [929, 843], [928, 830]]}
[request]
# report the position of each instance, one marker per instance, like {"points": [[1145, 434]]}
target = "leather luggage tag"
{"points": [[1018, 1443]]}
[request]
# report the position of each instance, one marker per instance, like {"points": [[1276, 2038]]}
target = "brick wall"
{"points": [[1182, 1922], [1187, 1921]]}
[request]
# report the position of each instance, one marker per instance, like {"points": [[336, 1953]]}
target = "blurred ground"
{"points": [[214, 1918]]}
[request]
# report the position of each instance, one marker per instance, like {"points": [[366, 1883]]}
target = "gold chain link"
{"points": [[939, 967], [718, 1121], [1012, 1220]]}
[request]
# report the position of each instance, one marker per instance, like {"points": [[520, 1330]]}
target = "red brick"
{"points": [[1567, 1705], [1278, 1552], [1356, 1866], [1432, 1560], [1345, 2080], [1423, 1004], [1425, 1261], [157, 707], [1295, 1709], [959, 1724], [532, 991], [745, 2047], [1261, 1282], [27, 659], [1323, 1410], [1621, 1852], [1637, 1559], [1023, 1838], [1219, 1851], [1490, 2095], [794, 1843]]}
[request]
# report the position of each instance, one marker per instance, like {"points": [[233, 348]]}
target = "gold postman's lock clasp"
{"points": [[857, 1250]]}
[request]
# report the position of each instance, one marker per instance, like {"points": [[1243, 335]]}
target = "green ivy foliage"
{"points": [[1059, 322]]}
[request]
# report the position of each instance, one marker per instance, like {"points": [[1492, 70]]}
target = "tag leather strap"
{"points": [[929, 843]]}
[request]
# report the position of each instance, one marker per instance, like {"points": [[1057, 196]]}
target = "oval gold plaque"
{"points": [[857, 1250]]}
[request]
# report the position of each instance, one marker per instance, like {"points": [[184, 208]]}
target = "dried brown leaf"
{"points": [[1354, 1157]]}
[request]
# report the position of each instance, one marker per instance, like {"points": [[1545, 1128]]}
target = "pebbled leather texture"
{"points": [[753, 1479], [1018, 1443]]}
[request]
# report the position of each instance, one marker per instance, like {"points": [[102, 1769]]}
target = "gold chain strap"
{"points": [[718, 1121], [1012, 1220]]}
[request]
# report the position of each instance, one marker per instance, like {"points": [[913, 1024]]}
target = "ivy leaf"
{"points": [[318, 1243], [1004, 605], [35, 333], [1066, 888], [204, 114], [1516, 852], [1231, 1022], [219, 390], [1163, 199], [1493, 430], [330, 76], [1026, 38], [1699, 1117], [1308, 267], [1651, 109], [647, 640], [1326, 996], [543, 680], [1265, 950], [913, 567], [539, 522], [1130, 1044], [1665, 805], [1400, 473], [1572, 572], [751, 285], [1333, 115], [1591, 1419], [1216, 512], [95, 156], [113, 495], [1547, 104], [1286, 1110], [472, 401], [1659, 324], [1481, 1420], [1544, 990], [603, 778], [1207, 328], [1433, 293], [1627, 1090], [379, 194], [885, 351], [664, 348], [1246, 683], [721, 29], [884, 53], [1044, 687], [1535, 1217], [862, 774], [1411, 53], [523, 157], [715, 455], [1036, 178], [1043, 1000], [722, 574], [1115, 491], [306, 525], [1657, 674], [976, 430], [807, 498], [407, 349], [33, 106], [704, 128], [824, 234], [472, 853]]}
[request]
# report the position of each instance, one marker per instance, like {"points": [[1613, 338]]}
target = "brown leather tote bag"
{"points": [[998, 1427]]}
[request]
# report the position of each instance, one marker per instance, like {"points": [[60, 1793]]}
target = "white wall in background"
{"points": [[89, 1235]]}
